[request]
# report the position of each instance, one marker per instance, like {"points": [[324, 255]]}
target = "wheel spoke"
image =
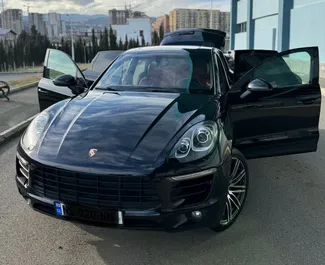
{"points": [[238, 178], [234, 200], [237, 187], [234, 172], [228, 211], [237, 191]]}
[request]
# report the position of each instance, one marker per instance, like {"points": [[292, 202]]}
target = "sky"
{"points": [[151, 7]]}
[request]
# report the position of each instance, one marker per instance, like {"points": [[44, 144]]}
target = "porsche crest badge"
{"points": [[92, 152]]}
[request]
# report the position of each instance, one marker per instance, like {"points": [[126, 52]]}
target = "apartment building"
{"points": [[13, 19], [135, 28], [54, 25], [118, 17], [37, 20], [161, 20], [198, 18]]}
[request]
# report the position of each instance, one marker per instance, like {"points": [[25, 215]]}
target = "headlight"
{"points": [[196, 143], [34, 131]]}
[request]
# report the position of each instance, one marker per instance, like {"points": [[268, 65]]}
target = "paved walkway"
{"points": [[22, 105]]}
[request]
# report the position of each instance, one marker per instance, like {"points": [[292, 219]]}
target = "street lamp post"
{"points": [[85, 54], [72, 42], [211, 15]]}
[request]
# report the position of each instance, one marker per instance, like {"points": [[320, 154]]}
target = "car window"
{"points": [[59, 63], [181, 71], [286, 71]]}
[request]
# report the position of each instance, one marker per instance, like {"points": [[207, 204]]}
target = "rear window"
{"points": [[181, 71], [102, 60]]}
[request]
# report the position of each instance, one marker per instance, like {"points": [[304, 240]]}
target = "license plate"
{"points": [[109, 217]]}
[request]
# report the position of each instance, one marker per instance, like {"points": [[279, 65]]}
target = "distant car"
{"points": [[100, 62], [162, 136]]}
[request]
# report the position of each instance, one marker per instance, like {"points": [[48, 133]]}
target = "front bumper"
{"points": [[177, 217]]}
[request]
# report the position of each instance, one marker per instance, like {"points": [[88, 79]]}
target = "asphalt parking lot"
{"points": [[282, 223]]}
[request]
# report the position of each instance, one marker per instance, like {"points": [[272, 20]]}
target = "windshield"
{"points": [[181, 71]]}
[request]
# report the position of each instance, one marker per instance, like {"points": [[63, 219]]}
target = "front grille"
{"points": [[192, 191], [22, 169], [101, 191]]}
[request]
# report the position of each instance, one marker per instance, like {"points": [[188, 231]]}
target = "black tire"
{"points": [[224, 223]]}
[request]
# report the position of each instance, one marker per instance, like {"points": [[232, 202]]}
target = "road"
{"points": [[16, 76], [282, 223], [21, 106]]}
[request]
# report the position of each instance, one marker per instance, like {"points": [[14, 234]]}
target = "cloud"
{"points": [[151, 7]]}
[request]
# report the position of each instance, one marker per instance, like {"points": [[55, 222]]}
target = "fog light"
{"points": [[197, 215]]}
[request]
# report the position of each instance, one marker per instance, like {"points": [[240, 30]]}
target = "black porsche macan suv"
{"points": [[162, 136]]}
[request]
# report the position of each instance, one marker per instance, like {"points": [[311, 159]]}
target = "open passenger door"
{"points": [[275, 107], [58, 63]]}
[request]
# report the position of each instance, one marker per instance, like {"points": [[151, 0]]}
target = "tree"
{"points": [[120, 45], [106, 37], [137, 44], [143, 42], [131, 44], [101, 42], [112, 39], [161, 32], [94, 43], [155, 38], [126, 43]]}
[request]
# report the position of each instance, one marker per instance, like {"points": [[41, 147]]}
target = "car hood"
{"points": [[118, 129]]}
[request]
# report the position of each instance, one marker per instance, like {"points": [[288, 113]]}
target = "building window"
{"points": [[241, 27], [141, 33]]}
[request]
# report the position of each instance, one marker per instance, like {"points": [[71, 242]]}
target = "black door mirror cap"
{"points": [[68, 81], [259, 85], [65, 80]]}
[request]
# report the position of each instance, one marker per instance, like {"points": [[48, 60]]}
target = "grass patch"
{"points": [[24, 81]]}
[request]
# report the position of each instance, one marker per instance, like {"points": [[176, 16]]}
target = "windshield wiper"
{"points": [[160, 90], [106, 88]]}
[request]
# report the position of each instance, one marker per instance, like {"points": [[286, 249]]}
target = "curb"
{"points": [[17, 89], [15, 130], [18, 73]]}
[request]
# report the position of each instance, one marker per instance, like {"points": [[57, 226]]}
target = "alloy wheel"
{"points": [[236, 191]]}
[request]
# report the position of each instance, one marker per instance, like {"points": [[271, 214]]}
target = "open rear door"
{"points": [[57, 63], [280, 115]]}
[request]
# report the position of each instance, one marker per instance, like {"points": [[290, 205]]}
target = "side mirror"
{"points": [[68, 81], [257, 85], [65, 80]]}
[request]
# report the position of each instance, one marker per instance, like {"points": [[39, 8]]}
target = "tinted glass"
{"points": [[286, 71], [59, 64], [247, 60], [181, 71], [103, 60]]}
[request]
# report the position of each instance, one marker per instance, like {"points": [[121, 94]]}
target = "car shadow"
{"points": [[276, 211]]}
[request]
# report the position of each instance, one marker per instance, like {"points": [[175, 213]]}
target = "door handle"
{"points": [[43, 91], [308, 101]]}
